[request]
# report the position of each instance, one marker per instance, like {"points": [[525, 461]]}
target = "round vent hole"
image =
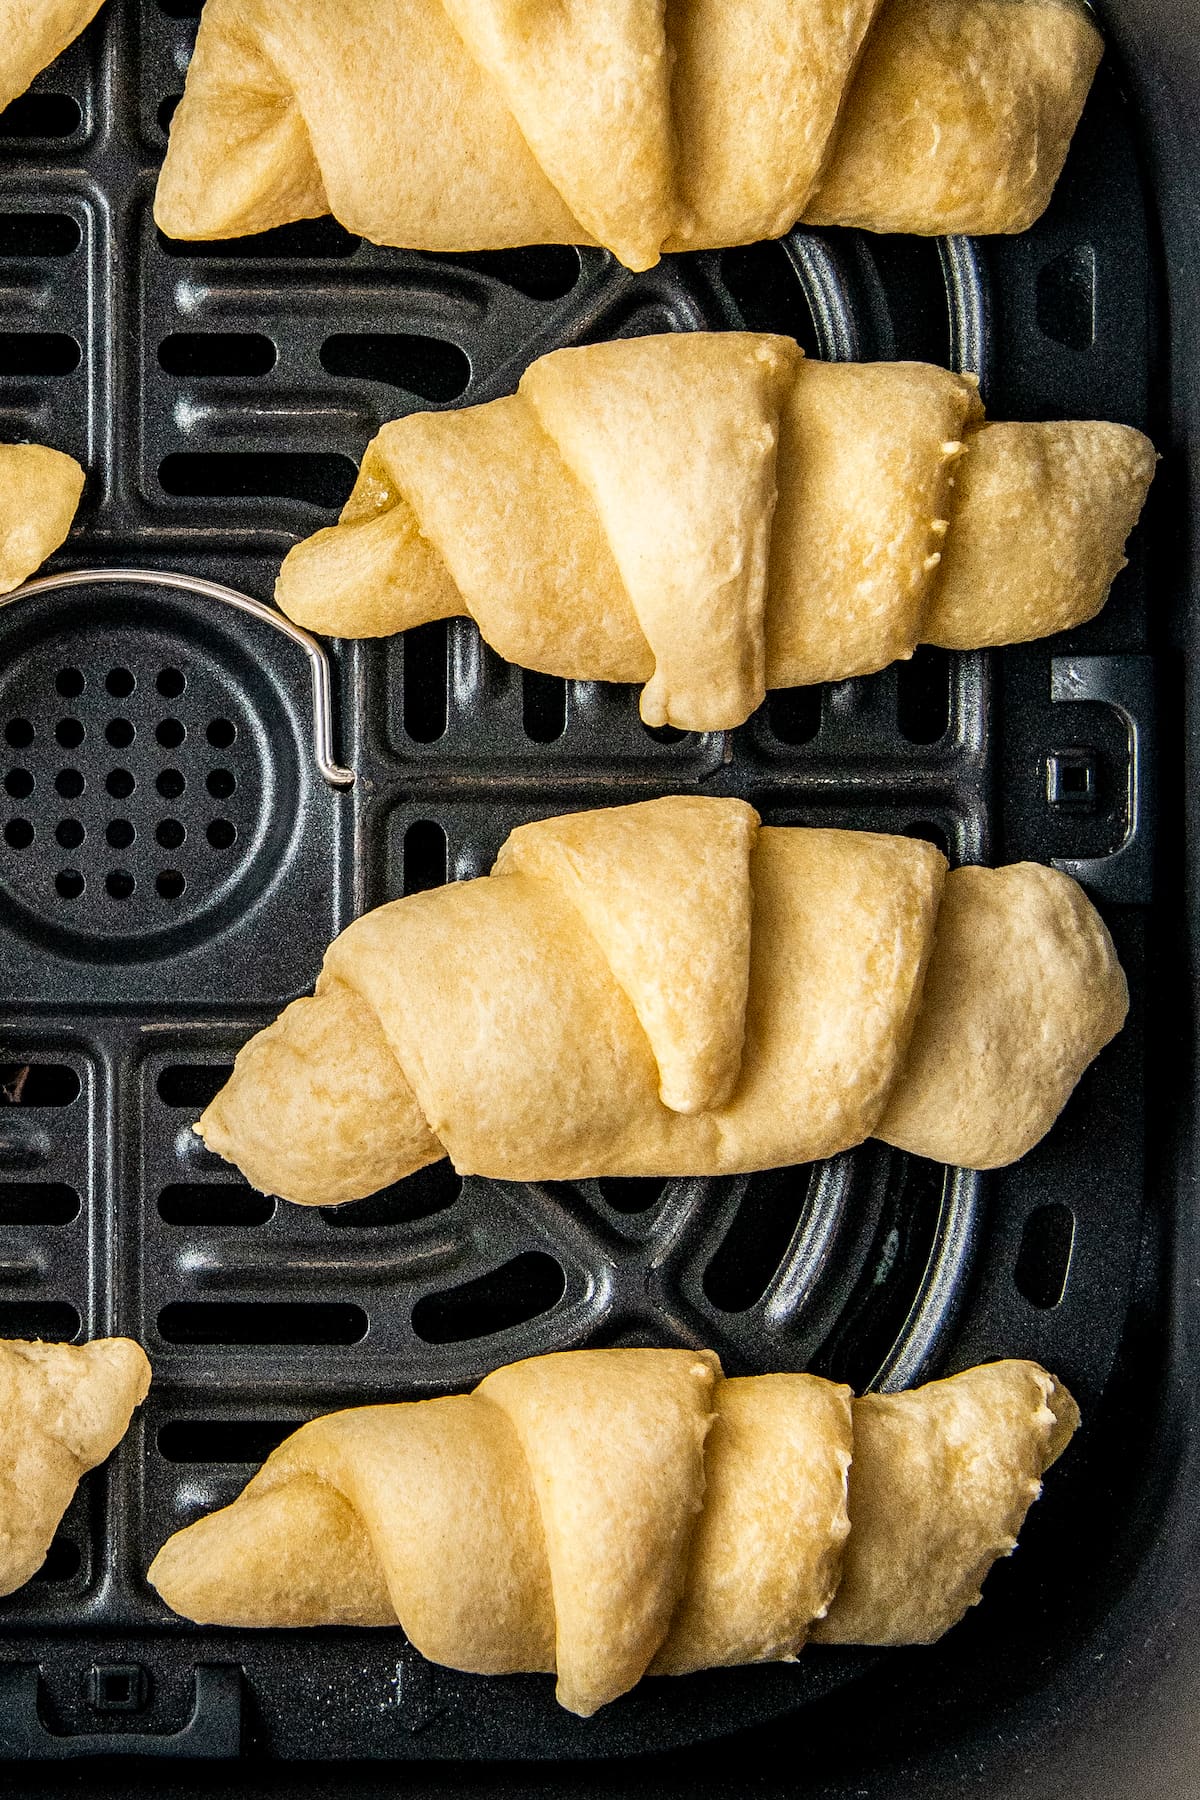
{"points": [[170, 834], [119, 884], [221, 733], [69, 833], [18, 733], [119, 783], [69, 683], [170, 884], [221, 833], [119, 834], [120, 733], [68, 884], [170, 683], [18, 834], [120, 682], [219, 782], [69, 733], [170, 733], [19, 783], [69, 783], [170, 784]]}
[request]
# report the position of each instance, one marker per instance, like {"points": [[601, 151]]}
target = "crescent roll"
{"points": [[670, 988], [32, 36], [39, 494], [63, 1409], [713, 515], [479, 124], [604, 1514]]}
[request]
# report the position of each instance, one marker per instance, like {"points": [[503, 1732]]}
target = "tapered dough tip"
{"points": [[34, 36], [40, 490], [63, 1410], [941, 1482], [1063, 1405], [1023, 990]]}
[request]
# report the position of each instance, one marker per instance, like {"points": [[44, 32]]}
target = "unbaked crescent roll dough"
{"points": [[608, 1513], [712, 515], [63, 1409], [940, 1484], [641, 125], [962, 114], [32, 36], [670, 988], [39, 492]]}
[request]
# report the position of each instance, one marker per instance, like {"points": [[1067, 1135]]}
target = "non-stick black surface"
{"points": [[172, 867]]}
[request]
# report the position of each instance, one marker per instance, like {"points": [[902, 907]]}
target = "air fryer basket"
{"points": [[172, 865]]}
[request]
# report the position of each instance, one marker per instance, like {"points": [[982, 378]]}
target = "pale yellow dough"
{"points": [[710, 514], [1022, 987], [610, 1513], [63, 1409], [39, 492], [32, 34], [670, 988], [960, 113], [940, 1484], [638, 124]]}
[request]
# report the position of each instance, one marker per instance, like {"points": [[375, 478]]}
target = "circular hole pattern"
{"points": [[109, 702]]}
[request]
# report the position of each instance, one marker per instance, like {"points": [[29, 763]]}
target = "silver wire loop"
{"points": [[318, 660]]}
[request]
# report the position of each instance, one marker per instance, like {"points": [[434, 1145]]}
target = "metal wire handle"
{"points": [[318, 660]]}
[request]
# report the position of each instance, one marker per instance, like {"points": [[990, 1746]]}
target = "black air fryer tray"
{"points": [[173, 864]]}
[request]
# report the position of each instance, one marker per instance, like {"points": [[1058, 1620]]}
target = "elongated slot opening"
{"points": [[192, 1084], [38, 1203], [517, 1291], [262, 1322], [222, 1440]]}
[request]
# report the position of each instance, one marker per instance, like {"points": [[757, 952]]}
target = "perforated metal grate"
{"points": [[172, 869], [133, 792]]}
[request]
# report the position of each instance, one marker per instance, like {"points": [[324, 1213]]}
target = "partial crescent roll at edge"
{"points": [[39, 494], [611, 1513], [63, 1409], [483, 124], [713, 515], [670, 988], [33, 35]]}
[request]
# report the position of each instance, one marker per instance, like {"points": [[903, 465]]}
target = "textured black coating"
{"points": [[220, 397]]}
